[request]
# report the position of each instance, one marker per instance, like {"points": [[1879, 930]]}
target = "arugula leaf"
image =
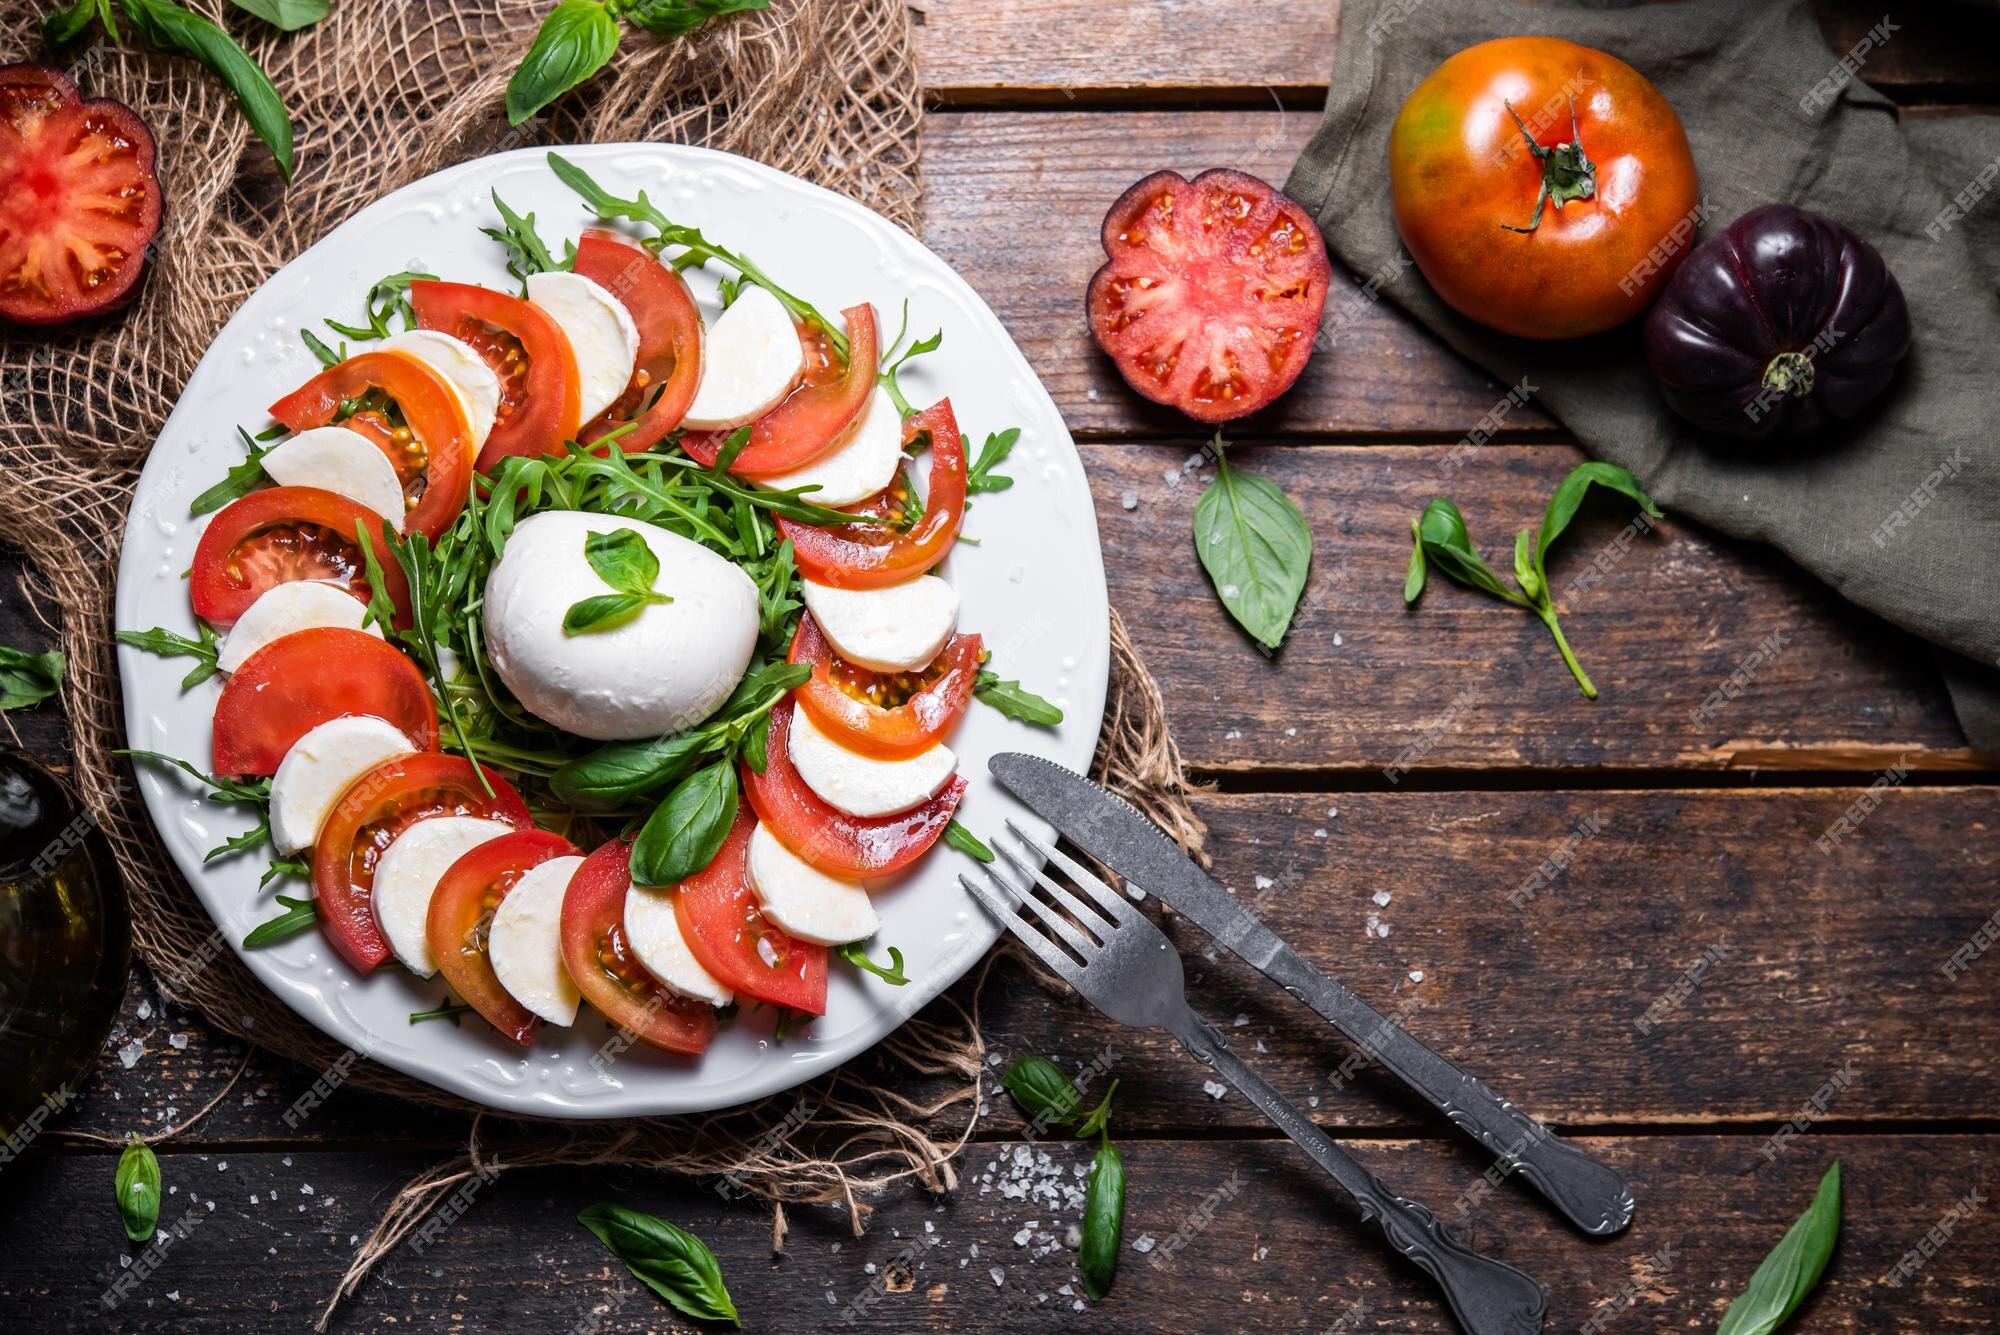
{"points": [[255, 837], [387, 298], [299, 914], [686, 830], [1253, 542], [1103, 1219], [237, 483], [621, 559], [526, 252], [965, 841], [1793, 1267], [1015, 703], [670, 1261], [170, 28], [446, 1010], [576, 40], [137, 1183], [286, 15], [225, 790], [1042, 1090], [887, 378], [857, 954], [981, 477], [296, 866], [327, 356], [1094, 1123], [168, 644], [678, 18], [28, 679]]}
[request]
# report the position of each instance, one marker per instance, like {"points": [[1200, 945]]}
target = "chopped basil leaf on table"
{"points": [[137, 1183], [1793, 1267], [1253, 541], [666, 1258]]}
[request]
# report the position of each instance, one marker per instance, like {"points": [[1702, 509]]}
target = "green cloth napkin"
{"points": [[1772, 115]]}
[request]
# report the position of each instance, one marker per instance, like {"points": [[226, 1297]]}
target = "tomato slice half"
{"points": [[601, 962], [839, 844], [431, 462], [720, 918], [79, 199], [668, 369], [282, 534], [541, 398], [929, 701], [301, 680], [366, 819], [1212, 294], [869, 557], [810, 421], [462, 912]]}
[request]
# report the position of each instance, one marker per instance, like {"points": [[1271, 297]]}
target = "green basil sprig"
{"points": [[299, 914], [579, 37], [28, 679], [1794, 1266], [1042, 1090], [137, 1183], [670, 1261], [286, 15], [685, 832], [1253, 541], [1045, 1093], [621, 559]]}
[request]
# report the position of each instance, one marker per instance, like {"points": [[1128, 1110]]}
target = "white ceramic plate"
{"points": [[1034, 588]]}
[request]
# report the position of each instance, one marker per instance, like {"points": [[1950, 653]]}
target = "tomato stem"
{"points": [[1567, 174]]}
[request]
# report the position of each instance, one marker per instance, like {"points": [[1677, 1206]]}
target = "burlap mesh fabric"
{"points": [[382, 93]]}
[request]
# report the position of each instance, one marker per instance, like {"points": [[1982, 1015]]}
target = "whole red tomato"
{"points": [[1545, 189]]}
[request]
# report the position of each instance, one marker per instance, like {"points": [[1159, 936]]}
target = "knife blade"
{"points": [[1591, 1195]]}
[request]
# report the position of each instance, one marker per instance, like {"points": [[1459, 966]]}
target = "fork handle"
{"points": [[1488, 1297]]}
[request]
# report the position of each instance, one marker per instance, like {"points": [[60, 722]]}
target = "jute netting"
{"points": [[384, 92]]}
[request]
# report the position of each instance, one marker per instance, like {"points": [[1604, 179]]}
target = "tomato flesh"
{"points": [[281, 534], [79, 199], [887, 715], [839, 844], [1212, 294], [605, 969], [813, 417], [366, 819], [461, 914], [541, 399], [726, 929], [301, 680], [872, 556], [668, 369]]}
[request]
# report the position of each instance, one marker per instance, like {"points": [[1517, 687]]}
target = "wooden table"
{"points": [[1662, 838]]}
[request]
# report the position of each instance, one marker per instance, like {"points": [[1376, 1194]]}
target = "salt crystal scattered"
{"points": [[1143, 1243], [1265, 883], [999, 1276], [1076, 1306], [1416, 975], [1240, 1021], [178, 1042], [1021, 1238], [1171, 477], [1130, 500], [145, 1010], [130, 1053], [831, 1301], [1072, 1239], [1262, 1252], [1336, 639], [1382, 897], [1261, 1047], [1232, 735], [173, 1295], [868, 1269], [305, 1189], [1312, 1100], [1215, 1089], [1333, 813], [1320, 833]]}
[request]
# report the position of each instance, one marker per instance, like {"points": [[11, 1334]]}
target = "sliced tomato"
{"points": [[811, 420], [668, 369], [871, 556], [601, 962], [462, 912], [727, 931], [281, 534], [1212, 294], [366, 819], [839, 844], [301, 680], [79, 199], [429, 453], [884, 714], [541, 398]]}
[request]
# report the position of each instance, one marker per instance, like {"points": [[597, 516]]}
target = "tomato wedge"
{"points": [[669, 365], [301, 680], [429, 458], [837, 843], [540, 396], [79, 199], [727, 931], [936, 696], [462, 911], [810, 421], [281, 534], [874, 556], [601, 962], [377, 807]]}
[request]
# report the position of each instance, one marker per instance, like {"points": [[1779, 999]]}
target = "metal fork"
{"points": [[1131, 972]]}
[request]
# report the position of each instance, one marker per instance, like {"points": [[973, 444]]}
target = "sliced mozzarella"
{"points": [[862, 463], [472, 381], [803, 900], [318, 769], [896, 629], [300, 604], [407, 873], [863, 785], [751, 360], [664, 670], [524, 944], [601, 334], [333, 458], [655, 933]]}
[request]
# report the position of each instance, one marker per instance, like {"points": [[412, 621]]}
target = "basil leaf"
{"points": [[857, 955], [622, 559], [602, 612], [1042, 1090], [1101, 1114], [167, 644], [1794, 1266], [670, 1261], [620, 770], [1525, 574], [980, 477], [756, 746], [286, 15], [1568, 497], [966, 842], [299, 914], [1449, 547], [1254, 544], [137, 1183], [1413, 583], [1103, 1220], [237, 483], [685, 831], [678, 18], [1015, 703], [576, 40], [68, 23], [28, 679], [171, 28]]}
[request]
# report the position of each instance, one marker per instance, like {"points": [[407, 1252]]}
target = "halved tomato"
{"points": [[727, 931], [366, 819], [669, 366], [281, 534], [540, 396], [837, 843], [79, 199], [301, 680], [810, 421], [884, 714], [462, 912], [871, 556], [429, 454], [1212, 294], [601, 963]]}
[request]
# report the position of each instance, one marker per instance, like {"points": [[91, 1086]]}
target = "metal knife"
{"points": [[1591, 1195]]}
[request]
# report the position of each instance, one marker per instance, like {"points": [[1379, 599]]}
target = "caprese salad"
{"points": [[584, 644]]}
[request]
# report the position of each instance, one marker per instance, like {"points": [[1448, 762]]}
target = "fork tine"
{"points": [[1050, 955], [1095, 922], [1112, 903], [1081, 939]]}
